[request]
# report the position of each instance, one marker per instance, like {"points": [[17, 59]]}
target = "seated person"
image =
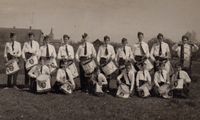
{"points": [[99, 82], [181, 82], [126, 82], [162, 82], [40, 77], [64, 80], [143, 81]]}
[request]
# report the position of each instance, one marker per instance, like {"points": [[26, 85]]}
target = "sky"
{"points": [[116, 18]]}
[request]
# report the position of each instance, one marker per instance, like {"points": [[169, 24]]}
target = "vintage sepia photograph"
{"points": [[99, 60]]}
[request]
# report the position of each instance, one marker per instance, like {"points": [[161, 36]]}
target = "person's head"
{"points": [[84, 37], [62, 64], [140, 36], [185, 39], [31, 36], [161, 66], [42, 60], [160, 37], [178, 66], [128, 66], [46, 39], [66, 38], [124, 41], [13, 36], [106, 39], [142, 66]]}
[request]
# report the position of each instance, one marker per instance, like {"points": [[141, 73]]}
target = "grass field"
{"points": [[23, 105]]}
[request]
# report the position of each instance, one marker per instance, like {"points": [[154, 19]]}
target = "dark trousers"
{"points": [[12, 78], [83, 79], [27, 78], [33, 84]]}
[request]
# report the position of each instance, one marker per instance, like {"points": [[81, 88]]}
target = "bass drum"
{"points": [[88, 66], [43, 83], [73, 69]]}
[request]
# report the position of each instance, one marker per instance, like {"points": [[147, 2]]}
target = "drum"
{"points": [[123, 91], [12, 67], [98, 88], [73, 69], [88, 66], [143, 90], [109, 68], [178, 84], [165, 91], [66, 88], [43, 83], [31, 62]]}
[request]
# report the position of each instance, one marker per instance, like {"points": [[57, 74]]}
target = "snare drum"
{"points": [[31, 62], [52, 65], [178, 84], [165, 91], [109, 68], [123, 91], [66, 88], [88, 66], [43, 83], [73, 69], [11, 67], [143, 90]]}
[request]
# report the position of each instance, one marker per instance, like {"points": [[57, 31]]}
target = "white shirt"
{"points": [[128, 77], [121, 54], [52, 51], [183, 75], [101, 52], [62, 52], [91, 52], [187, 50], [35, 49], [161, 77], [143, 75], [61, 76], [17, 49], [38, 70], [137, 49], [156, 48]]}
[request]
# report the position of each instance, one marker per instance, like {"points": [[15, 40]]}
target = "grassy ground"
{"points": [[23, 105]]}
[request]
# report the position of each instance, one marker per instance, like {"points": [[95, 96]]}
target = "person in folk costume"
{"points": [[181, 82], [48, 51], [162, 86], [126, 80], [12, 52], [160, 53], [30, 48], [85, 51], [143, 81], [141, 52], [106, 53], [64, 78], [40, 69], [124, 54], [98, 83], [184, 51]]}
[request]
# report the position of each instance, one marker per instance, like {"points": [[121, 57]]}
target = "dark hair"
{"points": [[160, 35], [106, 37], [31, 34], [66, 36], [12, 34], [46, 37], [140, 33], [185, 37], [128, 64], [84, 35], [124, 40]]}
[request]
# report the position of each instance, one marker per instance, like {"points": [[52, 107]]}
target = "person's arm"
{"points": [[54, 52], [31, 73], [98, 55], [147, 51], [94, 54], [116, 57], [195, 48], [59, 53], [119, 78], [112, 53], [156, 79], [72, 53], [168, 51], [77, 54], [5, 52], [137, 79], [59, 76], [187, 77], [148, 77], [37, 53], [19, 51], [23, 52], [104, 80], [131, 54], [132, 79], [175, 47], [152, 53], [71, 79]]}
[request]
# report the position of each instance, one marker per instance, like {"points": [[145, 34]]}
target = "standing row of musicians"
{"points": [[86, 54]]}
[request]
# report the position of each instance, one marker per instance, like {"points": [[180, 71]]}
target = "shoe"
{"points": [[15, 87], [5, 88]]}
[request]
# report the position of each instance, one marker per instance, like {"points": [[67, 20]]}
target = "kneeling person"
{"points": [[126, 82], [40, 77], [143, 81], [64, 80]]}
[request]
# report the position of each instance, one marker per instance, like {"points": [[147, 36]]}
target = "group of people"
{"points": [[137, 70]]}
